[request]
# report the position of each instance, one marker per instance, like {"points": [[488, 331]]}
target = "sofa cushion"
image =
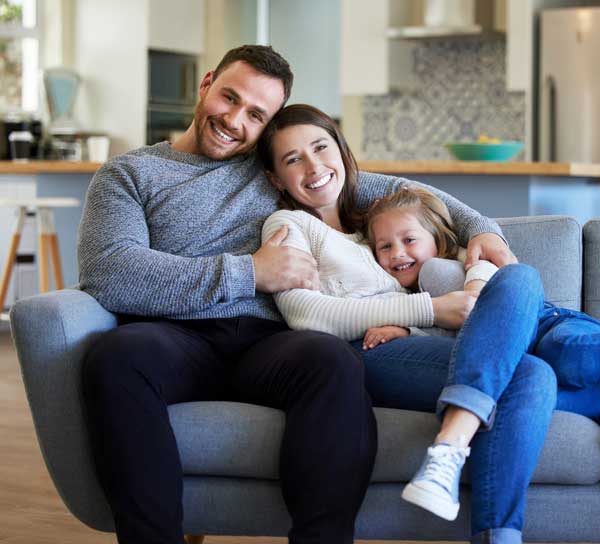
{"points": [[591, 270], [552, 244], [242, 440]]}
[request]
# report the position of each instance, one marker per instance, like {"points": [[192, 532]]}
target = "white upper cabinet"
{"points": [[364, 54], [177, 25], [519, 45]]}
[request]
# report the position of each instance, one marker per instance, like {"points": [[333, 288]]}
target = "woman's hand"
{"points": [[450, 311], [379, 335]]}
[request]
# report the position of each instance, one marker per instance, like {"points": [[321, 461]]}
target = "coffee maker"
{"points": [[20, 122], [65, 136]]}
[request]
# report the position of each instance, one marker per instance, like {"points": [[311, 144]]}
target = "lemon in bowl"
{"points": [[485, 149]]}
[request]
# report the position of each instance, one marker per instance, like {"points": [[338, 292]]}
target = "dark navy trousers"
{"points": [[132, 373]]}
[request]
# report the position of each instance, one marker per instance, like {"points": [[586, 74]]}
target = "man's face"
{"points": [[233, 110]]}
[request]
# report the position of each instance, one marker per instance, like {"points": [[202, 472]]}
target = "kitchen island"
{"points": [[506, 189], [39, 179]]}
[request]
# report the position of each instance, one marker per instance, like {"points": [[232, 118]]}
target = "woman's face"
{"points": [[402, 245], [307, 163]]}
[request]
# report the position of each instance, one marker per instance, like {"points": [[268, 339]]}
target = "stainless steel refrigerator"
{"points": [[569, 85]]}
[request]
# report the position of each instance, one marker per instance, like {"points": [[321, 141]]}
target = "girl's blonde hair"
{"points": [[431, 212]]}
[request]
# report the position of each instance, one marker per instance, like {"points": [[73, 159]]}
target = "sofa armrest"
{"points": [[591, 267], [51, 333]]}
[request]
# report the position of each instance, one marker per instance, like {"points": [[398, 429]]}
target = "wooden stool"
{"points": [[194, 539], [47, 239]]}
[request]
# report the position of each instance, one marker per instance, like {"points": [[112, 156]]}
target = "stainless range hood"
{"points": [[445, 18]]}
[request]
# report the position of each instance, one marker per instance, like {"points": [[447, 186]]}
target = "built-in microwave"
{"points": [[167, 123], [172, 78]]}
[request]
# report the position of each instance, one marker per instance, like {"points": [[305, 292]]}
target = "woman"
{"points": [[307, 159]]}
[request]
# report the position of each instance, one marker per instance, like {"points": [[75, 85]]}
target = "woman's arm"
{"points": [[345, 317], [349, 318]]}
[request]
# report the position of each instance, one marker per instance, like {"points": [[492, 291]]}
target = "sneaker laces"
{"points": [[445, 462]]}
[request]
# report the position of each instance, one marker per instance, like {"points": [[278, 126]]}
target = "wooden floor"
{"points": [[30, 510]]}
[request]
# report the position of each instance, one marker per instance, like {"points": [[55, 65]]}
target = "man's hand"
{"points": [[277, 267], [490, 247], [450, 311], [379, 335]]}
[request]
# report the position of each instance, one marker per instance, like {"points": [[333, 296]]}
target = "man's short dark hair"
{"points": [[264, 59]]}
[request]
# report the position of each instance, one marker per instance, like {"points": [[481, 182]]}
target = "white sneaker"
{"points": [[435, 485]]}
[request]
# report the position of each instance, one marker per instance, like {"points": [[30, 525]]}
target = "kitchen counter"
{"points": [[564, 169], [46, 179], [508, 189], [49, 167], [383, 167]]}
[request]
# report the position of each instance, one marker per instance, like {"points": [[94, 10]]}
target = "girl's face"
{"points": [[402, 245], [307, 163]]}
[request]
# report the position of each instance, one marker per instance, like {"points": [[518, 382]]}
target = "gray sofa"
{"points": [[230, 450]]}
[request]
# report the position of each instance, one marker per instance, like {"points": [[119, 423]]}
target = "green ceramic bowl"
{"points": [[476, 151]]}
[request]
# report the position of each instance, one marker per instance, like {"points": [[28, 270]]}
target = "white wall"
{"points": [[110, 54], [177, 25], [308, 35]]}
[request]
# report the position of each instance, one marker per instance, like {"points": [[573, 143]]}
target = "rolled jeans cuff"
{"points": [[469, 398], [501, 535]]}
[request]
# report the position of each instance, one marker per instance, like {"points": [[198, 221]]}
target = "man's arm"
{"points": [[118, 267], [490, 243]]}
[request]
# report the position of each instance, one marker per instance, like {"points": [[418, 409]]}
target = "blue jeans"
{"points": [[569, 341], [486, 370]]}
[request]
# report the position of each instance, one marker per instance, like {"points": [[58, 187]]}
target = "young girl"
{"points": [[420, 261], [409, 229], [308, 161]]}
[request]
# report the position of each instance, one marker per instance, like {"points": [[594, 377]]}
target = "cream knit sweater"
{"points": [[356, 293]]}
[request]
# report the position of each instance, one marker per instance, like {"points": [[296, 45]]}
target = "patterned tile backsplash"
{"points": [[458, 93]]}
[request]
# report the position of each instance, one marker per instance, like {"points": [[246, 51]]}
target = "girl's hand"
{"points": [[379, 335], [475, 286], [450, 311]]}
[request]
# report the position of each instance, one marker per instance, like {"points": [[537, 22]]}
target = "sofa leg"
{"points": [[194, 539]]}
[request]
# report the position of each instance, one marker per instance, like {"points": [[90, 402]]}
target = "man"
{"points": [[170, 240]]}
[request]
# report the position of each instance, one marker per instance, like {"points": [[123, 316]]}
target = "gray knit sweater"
{"points": [[171, 234]]}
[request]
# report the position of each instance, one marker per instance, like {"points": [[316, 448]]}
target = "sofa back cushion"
{"points": [[552, 244]]}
